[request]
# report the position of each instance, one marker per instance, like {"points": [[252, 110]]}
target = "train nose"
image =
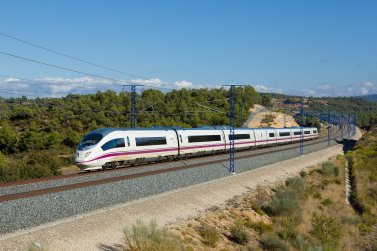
{"points": [[81, 156]]}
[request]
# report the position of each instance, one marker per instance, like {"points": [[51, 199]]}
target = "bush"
{"points": [[149, 237], [239, 235], [303, 174], [317, 195], [210, 235], [260, 227], [273, 243], [284, 202], [328, 169], [257, 209], [326, 202], [326, 230], [288, 224], [296, 183]]}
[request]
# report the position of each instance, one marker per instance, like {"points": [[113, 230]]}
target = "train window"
{"points": [[315, 131], [128, 141], [90, 140], [150, 141], [114, 143], [307, 132], [282, 134], [203, 138], [240, 136], [296, 133], [271, 134], [180, 136]]}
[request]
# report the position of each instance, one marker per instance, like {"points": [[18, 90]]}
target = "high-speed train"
{"points": [[111, 147]]}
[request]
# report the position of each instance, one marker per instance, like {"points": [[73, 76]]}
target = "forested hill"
{"points": [[52, 123], [372, 97], [366, 111]]}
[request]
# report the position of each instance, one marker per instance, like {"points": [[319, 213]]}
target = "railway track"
{"points": [[139, 171]]}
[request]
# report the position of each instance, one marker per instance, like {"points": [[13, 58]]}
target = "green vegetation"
{"points": [[239, 235], [53, 126], [268, 120], [273, 243], [142, 237], [365, 111], [326, 230], [210, 235], [363, 164]]}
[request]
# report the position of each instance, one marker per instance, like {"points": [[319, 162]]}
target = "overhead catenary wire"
{"points": [[72, 57]]}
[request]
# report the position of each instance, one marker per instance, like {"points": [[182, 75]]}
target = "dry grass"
{"points": [[241, 225]]}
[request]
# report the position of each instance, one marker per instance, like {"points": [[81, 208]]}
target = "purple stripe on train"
{"points": [[183, 148]]}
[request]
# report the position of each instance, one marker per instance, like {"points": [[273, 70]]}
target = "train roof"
{"points": [[105, 131]]}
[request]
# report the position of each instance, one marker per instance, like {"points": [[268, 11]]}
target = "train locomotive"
{"points": [[112, 147]]}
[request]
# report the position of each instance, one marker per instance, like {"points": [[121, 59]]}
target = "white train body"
{"points": [[111, 147]]}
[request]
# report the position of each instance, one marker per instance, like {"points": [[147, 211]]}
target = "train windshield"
{"points": [[89, 141]]}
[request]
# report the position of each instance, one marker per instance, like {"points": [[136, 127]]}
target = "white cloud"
{"points": [[333, 90], [183, 84], [58, 86], [263, 88]]}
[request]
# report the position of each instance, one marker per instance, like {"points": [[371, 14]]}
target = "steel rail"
{"points": [[56, 189], [140, 166]]}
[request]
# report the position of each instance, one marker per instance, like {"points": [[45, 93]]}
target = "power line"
{"points": [[60, 67], [78, 59], [75, 71], [70, 57]]}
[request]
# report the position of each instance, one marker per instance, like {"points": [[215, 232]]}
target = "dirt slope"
{"points": [[261, 117]]}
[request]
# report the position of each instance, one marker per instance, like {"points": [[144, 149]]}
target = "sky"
{"points": [[311, 48]]}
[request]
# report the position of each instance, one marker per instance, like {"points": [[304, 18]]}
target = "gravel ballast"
{"points": [[29, 212]]}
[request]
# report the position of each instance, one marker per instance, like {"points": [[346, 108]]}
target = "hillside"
{"points": [[262, 117], [366, 111], [372, 97], [39, 136]]}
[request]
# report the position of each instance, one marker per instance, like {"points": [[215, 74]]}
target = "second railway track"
{"points": [[24, 209], [31, 188]]}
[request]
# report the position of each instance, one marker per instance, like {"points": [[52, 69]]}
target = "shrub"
{"points": [[210, 235], [326, 230], [149, 237], [284, 202], [326, 202], [273, 243], [260, 227], [257, 209], [317, 195], [303, 174], [295, 183], [336, 171], [328, 168], [300, 243], [239, 235], [288, 224]]}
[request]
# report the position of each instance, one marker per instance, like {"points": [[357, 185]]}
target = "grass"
{"points": [[260, 227], [326, 230], [210, 235], [284, 202], [239, 235], [142, 237], [273, 243]]}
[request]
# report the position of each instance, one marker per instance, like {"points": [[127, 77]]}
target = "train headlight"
{"points": [[87, 154]]}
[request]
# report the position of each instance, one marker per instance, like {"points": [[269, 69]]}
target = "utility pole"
{"points": [[133, 104], [328, 128], [302, 130], [232, 102]]}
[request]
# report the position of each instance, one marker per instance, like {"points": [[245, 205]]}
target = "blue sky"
{"points": [[295, 47]]}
